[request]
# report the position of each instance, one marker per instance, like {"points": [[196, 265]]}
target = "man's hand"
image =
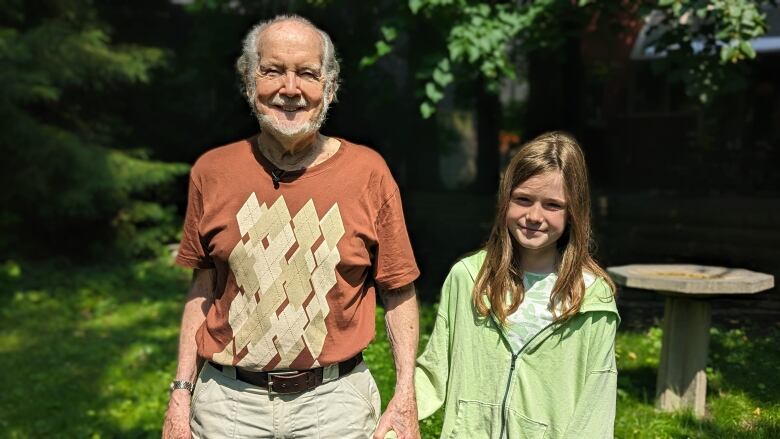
{"points": [[177, 417], [199, 299], [402, 324], [400, 417]]}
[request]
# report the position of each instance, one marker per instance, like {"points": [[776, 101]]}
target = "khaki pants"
{"points": [[223, 407]]}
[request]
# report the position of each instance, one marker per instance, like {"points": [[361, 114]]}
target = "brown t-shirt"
{"points": [[296, 261]]}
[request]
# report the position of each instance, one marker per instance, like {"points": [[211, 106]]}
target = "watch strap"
{"points": [[181, 384]]}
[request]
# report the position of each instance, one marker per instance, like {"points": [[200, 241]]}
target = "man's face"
{"points": [[289, 99]]}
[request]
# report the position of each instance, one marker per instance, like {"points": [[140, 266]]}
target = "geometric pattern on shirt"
{"points": [[281, 304]]}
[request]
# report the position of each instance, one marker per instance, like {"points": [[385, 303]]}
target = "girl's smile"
{"points": [[536, 217]]}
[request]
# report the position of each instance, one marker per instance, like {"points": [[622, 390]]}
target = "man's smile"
{"points": [[288, 109]]}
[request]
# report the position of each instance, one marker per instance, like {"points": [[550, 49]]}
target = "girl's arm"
{"points": [[594, 414], [430, 375], [432, 371]]}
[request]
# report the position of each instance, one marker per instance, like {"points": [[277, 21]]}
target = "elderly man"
{"points": [[291, 234]]}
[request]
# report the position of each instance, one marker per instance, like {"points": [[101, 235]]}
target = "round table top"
{"points": [[691, 279]]}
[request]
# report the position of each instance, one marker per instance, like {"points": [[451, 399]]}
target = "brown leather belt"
{"points": [[290, 381]]}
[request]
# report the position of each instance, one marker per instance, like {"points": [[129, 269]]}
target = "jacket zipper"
{"points": [[504, 408]]}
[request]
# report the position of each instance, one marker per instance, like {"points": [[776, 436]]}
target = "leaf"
{"points": [[747, 49], [433, 93], [415, 5], [442, 78], [749, 18], [427, 110], [473, 53], [390, 33], [382, 48], [726, 53], [367, 61], [441, 74], [456, 50]]}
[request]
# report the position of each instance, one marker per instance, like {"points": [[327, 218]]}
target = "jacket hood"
{"points": [[598, 295]]}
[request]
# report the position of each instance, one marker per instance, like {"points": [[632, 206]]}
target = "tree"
{"points": [[704, 43], [702, 39], [66, 184]]}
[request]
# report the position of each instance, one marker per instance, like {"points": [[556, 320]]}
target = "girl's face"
{"points": [[536, 216]]}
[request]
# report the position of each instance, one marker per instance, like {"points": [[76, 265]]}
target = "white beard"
{"points": [[270, 125]]}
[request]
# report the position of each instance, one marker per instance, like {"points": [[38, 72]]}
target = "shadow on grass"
{"points": [[746, 363], [88, 352], [759, 428], [742, 397], [638, 383], [740, 360]]}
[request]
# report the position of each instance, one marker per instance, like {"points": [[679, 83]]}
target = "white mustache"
{"points": [[285, 102]]}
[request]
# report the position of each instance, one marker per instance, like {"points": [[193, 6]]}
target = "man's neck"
{"points": [[291, 153]]}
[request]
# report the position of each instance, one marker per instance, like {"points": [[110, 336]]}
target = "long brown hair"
{"points": [[501, 273]]}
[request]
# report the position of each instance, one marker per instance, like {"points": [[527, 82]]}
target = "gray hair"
{"points": [[246, 65]]}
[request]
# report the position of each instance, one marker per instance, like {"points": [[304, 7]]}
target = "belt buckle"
{"points": [[282, 374]]}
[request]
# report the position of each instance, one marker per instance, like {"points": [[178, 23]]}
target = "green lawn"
{"points": [[89, 352]]}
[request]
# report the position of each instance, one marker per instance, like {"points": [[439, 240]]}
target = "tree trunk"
{"points": [[488, 108]]}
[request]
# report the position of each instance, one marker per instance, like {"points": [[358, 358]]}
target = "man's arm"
{"points": [[402, 322], [177, 417]]}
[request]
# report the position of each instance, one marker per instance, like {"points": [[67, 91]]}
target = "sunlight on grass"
{"points": [[741, 403], [10, 341], [89, 352]]}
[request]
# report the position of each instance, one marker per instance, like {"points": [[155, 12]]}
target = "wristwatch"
{"points": [[181, 384]]}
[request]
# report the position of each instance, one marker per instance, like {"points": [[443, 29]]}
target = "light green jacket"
{"points": [[562, 384]]}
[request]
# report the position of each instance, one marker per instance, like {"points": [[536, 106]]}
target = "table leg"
{"points": [[682, 378]]}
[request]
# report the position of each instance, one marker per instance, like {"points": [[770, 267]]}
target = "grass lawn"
{"points": [[89, 352]]}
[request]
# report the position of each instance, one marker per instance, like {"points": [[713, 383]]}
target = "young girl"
{"points": [[523, 345]]}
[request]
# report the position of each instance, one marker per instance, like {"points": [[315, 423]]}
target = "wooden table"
{"points": [[682, 379]]}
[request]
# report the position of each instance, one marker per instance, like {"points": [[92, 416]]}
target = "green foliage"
{"points": [[479, 38], [141, 227], [11, 269], [64, 169], [383, 46], [703, 42]]}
